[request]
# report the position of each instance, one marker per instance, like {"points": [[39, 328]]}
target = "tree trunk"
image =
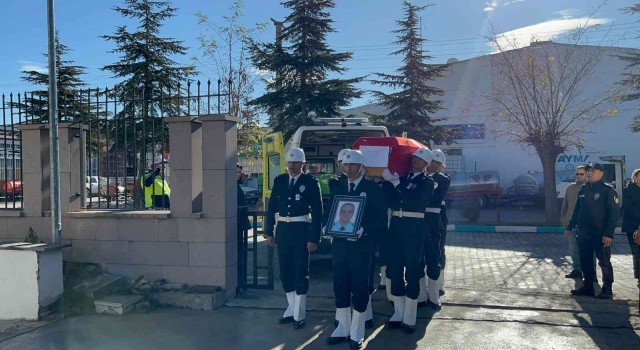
{"points": [[551, 211]]}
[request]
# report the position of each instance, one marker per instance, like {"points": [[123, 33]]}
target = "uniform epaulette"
{"points": [[609, 185]]}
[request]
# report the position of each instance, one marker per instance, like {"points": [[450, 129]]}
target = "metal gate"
{"points": [[255, 257]]}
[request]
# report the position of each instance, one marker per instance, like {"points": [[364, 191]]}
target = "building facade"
{"points": [[481, 146]]}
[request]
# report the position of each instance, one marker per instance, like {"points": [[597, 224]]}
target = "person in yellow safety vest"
{"points": [[156, 189]]}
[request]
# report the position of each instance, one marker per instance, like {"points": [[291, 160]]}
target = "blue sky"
{"points": [[456, 28]]}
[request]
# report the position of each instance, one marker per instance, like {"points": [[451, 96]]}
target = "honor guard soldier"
{"points": [[336, 182], [408, 197], [352, 256], [445, 222], [295, 214], [596, 215], [434, 245]]}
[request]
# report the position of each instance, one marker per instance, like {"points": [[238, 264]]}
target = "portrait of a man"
{"points": [[345, 215], [343, 221]]}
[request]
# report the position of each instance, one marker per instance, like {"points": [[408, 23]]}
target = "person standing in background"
{"points": [[631, 220], [596, 215], [568, 204]]}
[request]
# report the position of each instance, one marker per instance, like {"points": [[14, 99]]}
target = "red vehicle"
{"points": [[11, 188], [481, 186]]}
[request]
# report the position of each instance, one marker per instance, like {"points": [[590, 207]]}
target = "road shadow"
{"points": [[614, 315]]}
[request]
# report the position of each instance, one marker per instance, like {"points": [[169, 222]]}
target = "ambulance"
{"points": [[321, 143]]}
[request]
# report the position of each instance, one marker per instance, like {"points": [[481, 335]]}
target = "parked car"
{"points": [[251, 195], [106, 188], [92, 187]]}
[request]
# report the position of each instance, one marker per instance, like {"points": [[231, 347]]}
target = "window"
{"points": [[342, 138], [455, 160], [321, 166]]}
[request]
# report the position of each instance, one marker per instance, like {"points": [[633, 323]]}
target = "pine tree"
{"points": [[411, 108], [145, 62], [301, 90], [72, 101], [632, 79], [149, 73]]}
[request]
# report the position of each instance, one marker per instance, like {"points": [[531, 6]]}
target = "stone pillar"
{"points": [[72, 174], [219, 188], [185, 140], [36, 190]]}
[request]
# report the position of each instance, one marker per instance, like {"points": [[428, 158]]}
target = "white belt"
{"points": [[443, 203], [433, 210], [407, 214], [302, 218]]}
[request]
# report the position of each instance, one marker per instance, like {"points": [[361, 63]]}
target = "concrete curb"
{"points": [[511, 229]]}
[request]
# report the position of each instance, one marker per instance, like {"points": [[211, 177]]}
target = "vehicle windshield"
{"points": [[321, 166], [339, 138]]}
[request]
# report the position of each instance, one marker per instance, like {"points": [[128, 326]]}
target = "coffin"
{"points": [[394, 151]]}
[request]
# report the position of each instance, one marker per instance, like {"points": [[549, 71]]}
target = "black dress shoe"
{"points": [[574, 274], [298, 324], [336, 340], [284, 320], [382, 287], [394, 324], [606, 293], [355, 344], [584, 291], [408, 329], [434, 306], [368, 324], [441, 292]]}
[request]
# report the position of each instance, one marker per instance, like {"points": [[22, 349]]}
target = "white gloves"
{"points": [[324, 230], [393, 178], [358, 233]]}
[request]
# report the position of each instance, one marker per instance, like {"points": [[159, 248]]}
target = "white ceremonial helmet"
{"points": [[342, 153], [439, 156], [424, 154], [353, 157], [295, 155]]}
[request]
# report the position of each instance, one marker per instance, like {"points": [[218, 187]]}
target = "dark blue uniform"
{"points": [[407, 234], [434, 242], [302, 199], [352, 259], [596, 215], [445, 222]]}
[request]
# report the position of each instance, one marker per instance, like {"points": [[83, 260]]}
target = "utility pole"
{"points": [[56, 221], [278, 25]]}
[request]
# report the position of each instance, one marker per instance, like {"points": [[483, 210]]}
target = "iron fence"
{"points": [[11, 152], [126, 139], [255, 257]]}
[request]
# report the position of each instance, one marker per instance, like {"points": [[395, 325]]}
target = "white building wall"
{"points": [[468, 85]]}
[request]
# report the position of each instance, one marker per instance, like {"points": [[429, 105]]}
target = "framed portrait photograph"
{"points": [[345, 215]]}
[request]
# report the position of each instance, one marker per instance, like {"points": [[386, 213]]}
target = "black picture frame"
{"points": [[334, 227]]}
